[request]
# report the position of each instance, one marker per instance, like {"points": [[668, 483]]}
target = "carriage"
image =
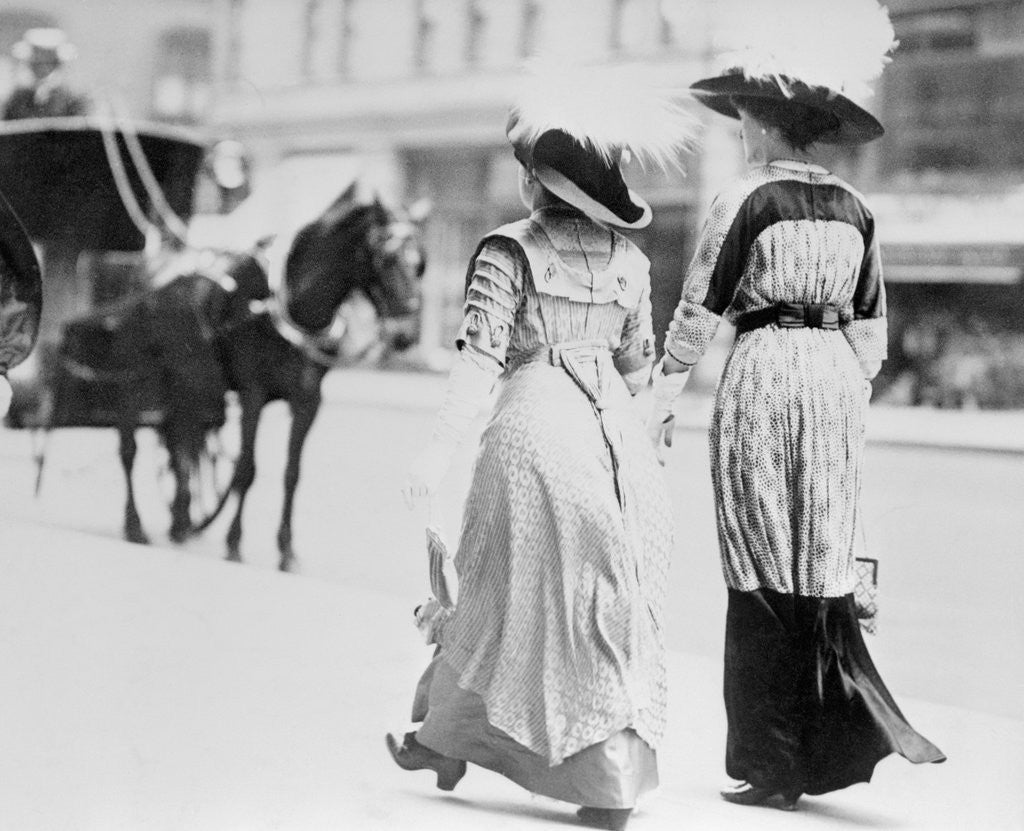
{"points": [[86, 191], [136, 334]]}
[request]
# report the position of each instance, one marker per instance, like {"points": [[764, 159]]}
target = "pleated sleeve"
{"points": [[494, 290], [635, 353]]}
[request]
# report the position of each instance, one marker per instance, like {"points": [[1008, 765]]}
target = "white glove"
{"points": [[427, 470], [5, 395], [429, 618], [469, 383], [661, 421], [870, 368]]}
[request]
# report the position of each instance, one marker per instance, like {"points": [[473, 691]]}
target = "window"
{"points": [[181, 86], [636, 26], [935, 32], [476, 24], [310, 35], [426, 32], [236, 12], [346, 38], [529, 34]]}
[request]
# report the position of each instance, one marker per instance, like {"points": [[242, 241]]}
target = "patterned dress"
{"points": [[551, 669], [807, 711]]}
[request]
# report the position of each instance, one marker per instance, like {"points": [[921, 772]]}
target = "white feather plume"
{"points": [[840, 44], [610, 109]]}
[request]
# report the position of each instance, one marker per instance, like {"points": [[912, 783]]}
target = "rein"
{"points": [[320, 347]]}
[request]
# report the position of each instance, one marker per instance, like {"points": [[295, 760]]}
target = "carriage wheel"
{"points": [[210, 479]]}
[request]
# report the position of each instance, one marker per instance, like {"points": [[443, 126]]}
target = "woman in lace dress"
{"points": [[789, 255], [551, 669]]}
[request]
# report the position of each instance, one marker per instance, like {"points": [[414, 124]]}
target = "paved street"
{"points": [[946, 525]]}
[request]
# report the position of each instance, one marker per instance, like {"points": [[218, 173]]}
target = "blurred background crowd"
{"points": [[410, 96]]}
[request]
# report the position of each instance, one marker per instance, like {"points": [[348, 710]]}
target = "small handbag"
{"points": [[865, 587], [865, 593]]}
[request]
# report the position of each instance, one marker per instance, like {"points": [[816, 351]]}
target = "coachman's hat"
{"points": [[44, 44], [21, 290]]}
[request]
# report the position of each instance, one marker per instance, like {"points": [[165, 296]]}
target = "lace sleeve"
{"points": [[866, 331], [712, 278]]}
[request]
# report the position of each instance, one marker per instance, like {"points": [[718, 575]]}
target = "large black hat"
{"points": [[822, 54], [855, 124], [573, 126], [21, 290], [582, 177]]}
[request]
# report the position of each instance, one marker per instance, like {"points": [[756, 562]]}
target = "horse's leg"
{"points": [[252, 402], [180, 452], [304, 412], [132, 524]]}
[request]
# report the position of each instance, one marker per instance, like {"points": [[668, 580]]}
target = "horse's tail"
{"points": [[206, 522]]}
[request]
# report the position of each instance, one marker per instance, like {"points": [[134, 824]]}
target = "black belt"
{"points": [[790, 316]]}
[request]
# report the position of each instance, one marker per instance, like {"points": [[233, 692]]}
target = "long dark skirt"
{"points": [[807, 710]]}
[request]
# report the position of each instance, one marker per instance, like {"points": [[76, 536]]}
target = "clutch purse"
{"points": [[431, 615], [865, 593]]}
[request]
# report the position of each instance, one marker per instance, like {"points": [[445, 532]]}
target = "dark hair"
{"points": [[800, 124]]}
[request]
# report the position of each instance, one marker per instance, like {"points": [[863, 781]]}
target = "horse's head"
{"points": [[359, 245], [399, 263]]}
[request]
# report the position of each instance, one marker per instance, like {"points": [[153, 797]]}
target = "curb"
{"points": [[989, 431]]}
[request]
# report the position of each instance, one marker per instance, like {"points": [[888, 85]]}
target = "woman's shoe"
{"points": [[612, 819], [747, 794], [411, 755]]}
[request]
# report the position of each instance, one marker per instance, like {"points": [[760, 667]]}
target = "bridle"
{"points": [[385, 243]]}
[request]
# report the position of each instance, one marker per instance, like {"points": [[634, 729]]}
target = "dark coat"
{"points": [[60, 102]]}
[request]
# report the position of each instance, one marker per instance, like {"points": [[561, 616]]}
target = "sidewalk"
{"points": [[146, 689], [982, 430]]}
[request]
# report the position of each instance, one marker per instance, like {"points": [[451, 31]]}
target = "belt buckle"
{"points": [[791, 315]]}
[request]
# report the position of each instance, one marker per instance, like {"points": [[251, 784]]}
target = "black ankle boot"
{"points": [[412, 755], [747, 794]]}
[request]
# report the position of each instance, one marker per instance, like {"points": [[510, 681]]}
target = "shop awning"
{"points": [[973, 263]]}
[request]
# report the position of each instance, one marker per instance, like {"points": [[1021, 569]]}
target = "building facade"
{"points": [[151, 59], [411, 96]]}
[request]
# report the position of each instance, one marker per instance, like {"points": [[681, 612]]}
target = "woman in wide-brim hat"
{"points": [[551, 669], [790, 256], [20, 297]]}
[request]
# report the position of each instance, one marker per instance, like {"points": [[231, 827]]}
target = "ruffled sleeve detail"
{"points": [[494, 290], [635, 354]]}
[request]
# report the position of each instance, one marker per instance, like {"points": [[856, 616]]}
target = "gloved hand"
{"points": [[430, 617], [426, 471], [661, 421], [469, 383], [5, 395], [660, 434]]}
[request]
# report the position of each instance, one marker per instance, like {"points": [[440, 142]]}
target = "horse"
{"points": [[280, 346], [218, 325]]}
